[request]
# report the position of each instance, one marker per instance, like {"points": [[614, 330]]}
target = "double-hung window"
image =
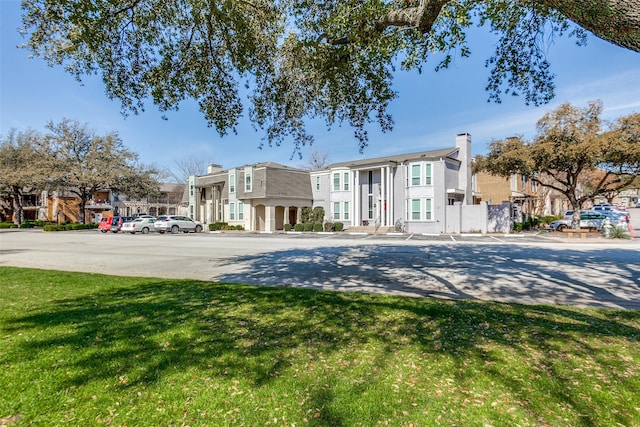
{"points": [[345, 181], [428, 209], [336, 182], [345, 211], [415, 174], [240, 211], [415, 209], [336, 210], [317, 183], [427, 174], [232, 211], [232, 183], [248, 179], [420, 209]]}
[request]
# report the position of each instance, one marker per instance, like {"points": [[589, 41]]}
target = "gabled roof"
{"points": [[400, 158]]}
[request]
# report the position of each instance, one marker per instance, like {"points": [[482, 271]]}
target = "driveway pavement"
{"points": [[530, 269]]}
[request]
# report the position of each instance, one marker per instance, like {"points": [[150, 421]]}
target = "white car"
{"points": [[139, 225], [176, 224]]}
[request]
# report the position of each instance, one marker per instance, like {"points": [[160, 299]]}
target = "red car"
{"points": [[110, 223]]}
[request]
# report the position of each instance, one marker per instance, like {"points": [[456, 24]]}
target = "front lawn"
{"points": [[82, 349]]}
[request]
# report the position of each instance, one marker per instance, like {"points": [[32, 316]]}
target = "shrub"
{"points": [[217, 226], [618, 233], [27, 224], [8, 224], [313, 216], [518, 226], [329, 226], [317, 227], [299, 227], [338, 226], [549, 219], [239, 227], [308, 226], [287, 227]]}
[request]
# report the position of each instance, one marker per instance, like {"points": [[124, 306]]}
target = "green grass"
{"points": [[80, 349]]}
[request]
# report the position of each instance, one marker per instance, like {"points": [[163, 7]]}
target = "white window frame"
{"points": [[416, 203], [336, 183], [424, 210], [416, 167], [317, 183], [248, 180], [240, 211], [428, 209], [336, 210], [232, 183], [428, 173], [345, 211], [345, 182], [232, 211]]}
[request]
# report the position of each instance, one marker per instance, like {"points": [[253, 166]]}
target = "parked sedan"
{"points": [[139, 225], [591, 221], [176, 224]]}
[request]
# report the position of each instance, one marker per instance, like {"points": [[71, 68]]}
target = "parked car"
{"points": [[176, 224], [618, 219], [591, 221], [569, 214], [139, 225], [126, 219], [116, 224], [107, 222]]}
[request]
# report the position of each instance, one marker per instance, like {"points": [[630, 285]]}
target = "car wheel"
{"points": [[161, 231], [198, 229], [133, 232], [145, 230], [175, 229], [561, 227]]}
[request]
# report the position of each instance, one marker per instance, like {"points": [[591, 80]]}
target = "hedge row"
{"points": [[68, 227], [316, 227], [218, 226]]}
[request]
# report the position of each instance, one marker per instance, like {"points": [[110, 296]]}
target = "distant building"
{"points": [[413, 189]]}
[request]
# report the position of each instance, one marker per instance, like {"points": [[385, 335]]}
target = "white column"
{"points": [[389, 185], [383, 190], [356, 199]]}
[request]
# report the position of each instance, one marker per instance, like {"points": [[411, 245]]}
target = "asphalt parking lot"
{"points": [[530, 268]]}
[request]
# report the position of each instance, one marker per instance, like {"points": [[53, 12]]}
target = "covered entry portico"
{"points": [[272, 216], [373, 195]]}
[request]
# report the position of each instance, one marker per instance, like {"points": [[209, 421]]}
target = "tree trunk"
{"points": [[576, 205], [18, 210], [616, 21], [83, 203]]}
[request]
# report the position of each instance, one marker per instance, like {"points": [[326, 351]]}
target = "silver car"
{"points": [[590, 220], [139, 225], [176, 224]]}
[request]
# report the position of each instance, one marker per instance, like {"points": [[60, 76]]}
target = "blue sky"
{"points": [[430, 110]]}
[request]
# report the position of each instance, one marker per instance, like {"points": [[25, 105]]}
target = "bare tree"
{"points": [[185, 167], [317, 160]]}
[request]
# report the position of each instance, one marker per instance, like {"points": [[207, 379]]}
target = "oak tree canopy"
{"points": [[573, 152], [300, 59]]}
